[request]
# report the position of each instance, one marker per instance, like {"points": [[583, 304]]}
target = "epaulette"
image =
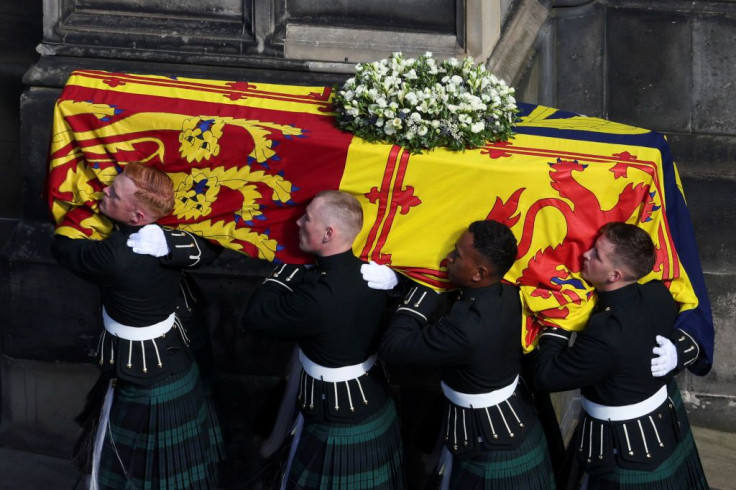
{"points": [[184, 245], [688, 349], [285, 275], [419, 301]]}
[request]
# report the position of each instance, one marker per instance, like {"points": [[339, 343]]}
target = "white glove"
{"points": [[149, 240], [378, 276], [666, 357]]}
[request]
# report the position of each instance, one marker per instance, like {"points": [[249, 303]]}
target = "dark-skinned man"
{"points": [[492, 437]]}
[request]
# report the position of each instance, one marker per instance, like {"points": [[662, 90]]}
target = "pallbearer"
{"points": [[633, 432], [491, 434], [347, 433], [157, 428]]}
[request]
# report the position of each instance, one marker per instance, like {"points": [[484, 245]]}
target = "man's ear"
{"points": [[615, 275], [328, 235], [139, 218], [481, 272]]}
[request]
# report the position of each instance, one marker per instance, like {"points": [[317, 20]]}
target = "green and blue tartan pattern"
{"points": [[164, 436], [682, 470], [367, 455], [527, 467]]}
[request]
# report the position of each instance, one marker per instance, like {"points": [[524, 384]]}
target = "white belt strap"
{"points": [[335, 375], [625, 412], [479, 400], [100, 436], [137, 333]]}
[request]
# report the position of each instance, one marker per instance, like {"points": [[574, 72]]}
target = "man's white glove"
{"points": [[149, 240], [378, 276], [666, 357]]}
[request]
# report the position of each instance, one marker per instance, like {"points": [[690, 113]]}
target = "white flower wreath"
{"points": [[422, 103]]}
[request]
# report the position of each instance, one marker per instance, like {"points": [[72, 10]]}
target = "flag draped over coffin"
{"points": [[246, 158]]}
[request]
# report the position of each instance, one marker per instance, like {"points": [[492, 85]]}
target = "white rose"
{"points": [[478, 127]]}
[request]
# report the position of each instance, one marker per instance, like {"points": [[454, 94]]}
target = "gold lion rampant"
{"points": [[226, 234], [200, 136], [196, 192]]}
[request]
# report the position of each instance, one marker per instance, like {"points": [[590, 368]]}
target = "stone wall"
{"points": [[669, 66], [666, 65]]}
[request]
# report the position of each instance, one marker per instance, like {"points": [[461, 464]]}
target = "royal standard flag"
{"points": [[247, 157]]}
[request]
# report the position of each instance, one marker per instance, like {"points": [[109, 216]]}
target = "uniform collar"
{"points": [[471, 294], [606, 299], [336, 261]]}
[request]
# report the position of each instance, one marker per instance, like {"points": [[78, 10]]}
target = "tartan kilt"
{"points": [[524, 468], [165, 435], [367, 455], [682, 470]]}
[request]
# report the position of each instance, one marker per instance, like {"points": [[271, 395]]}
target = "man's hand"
{"points": [[665, 359], [149, 240], [379, 276]]}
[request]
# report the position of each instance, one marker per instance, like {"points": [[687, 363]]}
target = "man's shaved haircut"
{"points": [[345, 209]]}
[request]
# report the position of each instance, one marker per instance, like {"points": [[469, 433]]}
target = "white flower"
{"points": [[422, 103]]}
